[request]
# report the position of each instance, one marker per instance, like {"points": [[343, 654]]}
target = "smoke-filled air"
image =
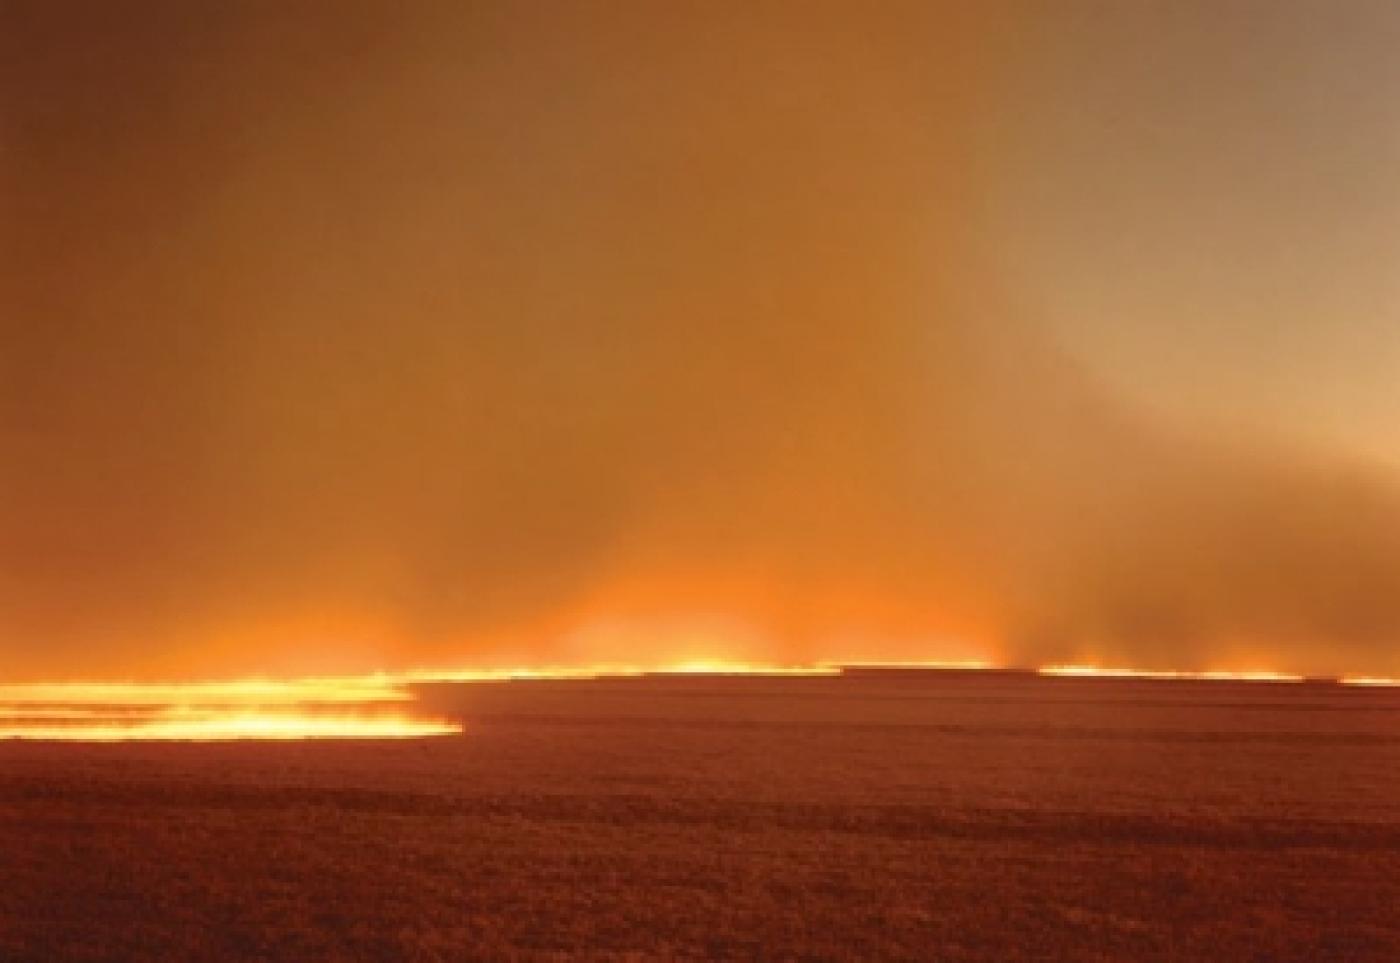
{"points": [[342, 338]]}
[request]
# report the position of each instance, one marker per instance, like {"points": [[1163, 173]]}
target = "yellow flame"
{"points": [[1371, 680], [342, 708], [351, 690], [222, 726]]}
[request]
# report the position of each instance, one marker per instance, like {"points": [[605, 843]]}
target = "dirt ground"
{"points": [[928, 816]]}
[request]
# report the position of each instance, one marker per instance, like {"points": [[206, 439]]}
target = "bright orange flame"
{"points": [[1373, 680]]}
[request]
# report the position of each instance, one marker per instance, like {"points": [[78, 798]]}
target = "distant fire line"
{"points": [[380, 705]]}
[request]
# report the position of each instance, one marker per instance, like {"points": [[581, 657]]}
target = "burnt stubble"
{"points": [[878, 815]]}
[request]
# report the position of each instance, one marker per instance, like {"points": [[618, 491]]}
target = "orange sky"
{"points": [[456, 333]]}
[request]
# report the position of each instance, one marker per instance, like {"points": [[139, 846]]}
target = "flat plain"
{"points": [[878, 815]]}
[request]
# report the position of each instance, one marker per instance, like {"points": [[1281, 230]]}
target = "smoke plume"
{"points": [[363, 338]]}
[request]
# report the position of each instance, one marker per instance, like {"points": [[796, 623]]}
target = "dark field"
{"points": [[890, 816]]}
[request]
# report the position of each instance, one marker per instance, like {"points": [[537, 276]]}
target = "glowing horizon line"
{"points": [[610, 670], [385, 687], [1075, 670], [953, 665]]}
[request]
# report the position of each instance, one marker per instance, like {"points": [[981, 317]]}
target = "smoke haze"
{"points": [[453, 334]]}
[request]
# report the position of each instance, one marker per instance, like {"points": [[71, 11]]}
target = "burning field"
{"points": [[876, 814]]}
